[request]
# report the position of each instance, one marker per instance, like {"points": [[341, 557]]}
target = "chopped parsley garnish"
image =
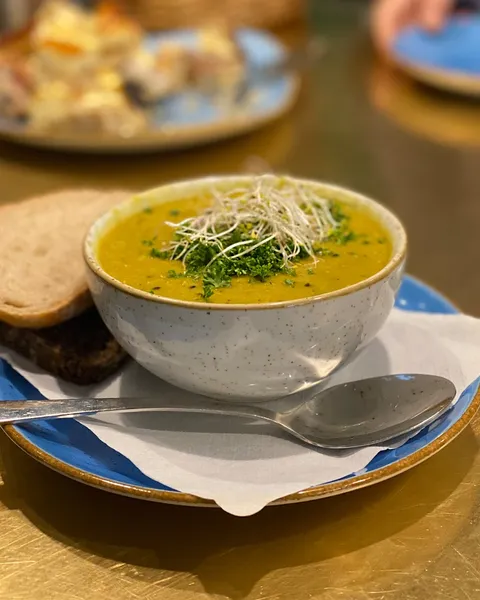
{"points": [[327, 252], [150, 243], [337, 212], [342, 236], [156, 253], [256, 231], [261, 263], [174, 212], [148, 210]]}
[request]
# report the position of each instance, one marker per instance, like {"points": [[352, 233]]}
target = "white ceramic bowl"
{"points": [[251, 351]]}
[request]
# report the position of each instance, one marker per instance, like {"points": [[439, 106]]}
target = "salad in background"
{"points": [[89, 70]]}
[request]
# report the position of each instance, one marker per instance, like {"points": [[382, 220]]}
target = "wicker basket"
{"points": [[172, 14]]}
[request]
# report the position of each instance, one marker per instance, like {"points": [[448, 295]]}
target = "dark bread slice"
{"points": [[80, 350]]}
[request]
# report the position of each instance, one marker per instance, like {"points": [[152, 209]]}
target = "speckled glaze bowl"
{"points": [[248, 352]]}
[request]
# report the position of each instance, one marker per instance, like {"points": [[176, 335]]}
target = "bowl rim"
{"points": [[97, 229]]}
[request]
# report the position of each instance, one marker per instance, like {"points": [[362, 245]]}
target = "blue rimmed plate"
{"points": [[448, 59], [73, 450], [187, 120]]}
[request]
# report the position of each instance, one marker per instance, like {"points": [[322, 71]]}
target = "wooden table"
{"points": [[416, 536]]}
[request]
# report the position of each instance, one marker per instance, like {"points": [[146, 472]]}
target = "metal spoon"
{"points": [[350, 415]]}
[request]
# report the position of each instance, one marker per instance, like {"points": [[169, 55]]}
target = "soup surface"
{"points": [[128, 252]]}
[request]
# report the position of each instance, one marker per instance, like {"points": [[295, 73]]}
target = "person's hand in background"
{"points": [[389, 17]]}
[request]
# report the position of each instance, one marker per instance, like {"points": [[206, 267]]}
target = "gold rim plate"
{"points": [[442, 79], [321, 491], [313, 493]]}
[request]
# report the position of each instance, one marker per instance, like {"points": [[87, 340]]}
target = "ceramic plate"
{"points": [[71, 449], [188, 120], [449, 60]]}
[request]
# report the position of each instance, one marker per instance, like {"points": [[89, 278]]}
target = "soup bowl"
{"points": [[244, 352]]}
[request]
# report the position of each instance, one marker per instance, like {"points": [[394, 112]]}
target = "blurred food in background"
{"points": [[15, 88], [440, 117], [87, 69]]}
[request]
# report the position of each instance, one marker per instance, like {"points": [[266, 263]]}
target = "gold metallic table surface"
{"points": [[414, 537]]}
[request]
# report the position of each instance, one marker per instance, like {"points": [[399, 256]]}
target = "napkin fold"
{"points": [[245, 466]]}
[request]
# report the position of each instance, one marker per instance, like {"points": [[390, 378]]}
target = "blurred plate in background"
{"points": [[448, 60], [188, 119]]}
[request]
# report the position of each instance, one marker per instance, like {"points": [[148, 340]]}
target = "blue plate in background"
{"points": [[188, 119], [70, 448], [448, 59]]}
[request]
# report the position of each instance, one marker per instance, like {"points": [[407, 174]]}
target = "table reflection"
{"points": [[441, 117]]}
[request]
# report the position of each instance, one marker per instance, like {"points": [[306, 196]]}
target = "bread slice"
{"points": [[42, 273], [81, 350]]}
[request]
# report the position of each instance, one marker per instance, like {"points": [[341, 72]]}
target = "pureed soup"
{"points": [[272, 240]]}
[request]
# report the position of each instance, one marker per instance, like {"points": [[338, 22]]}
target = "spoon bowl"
{"points": [[370, 411], [350, 415]]}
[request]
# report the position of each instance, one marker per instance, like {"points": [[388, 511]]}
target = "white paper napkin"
{"points": [[242, 466]]}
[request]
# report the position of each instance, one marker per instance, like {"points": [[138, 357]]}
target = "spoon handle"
{"points": [[21, 411]]}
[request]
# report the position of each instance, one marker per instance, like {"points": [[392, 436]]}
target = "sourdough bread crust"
{"points": [[26, 226]]}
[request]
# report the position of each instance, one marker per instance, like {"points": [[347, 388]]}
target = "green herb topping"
{"points": [[172, 274], [256, 231]]}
